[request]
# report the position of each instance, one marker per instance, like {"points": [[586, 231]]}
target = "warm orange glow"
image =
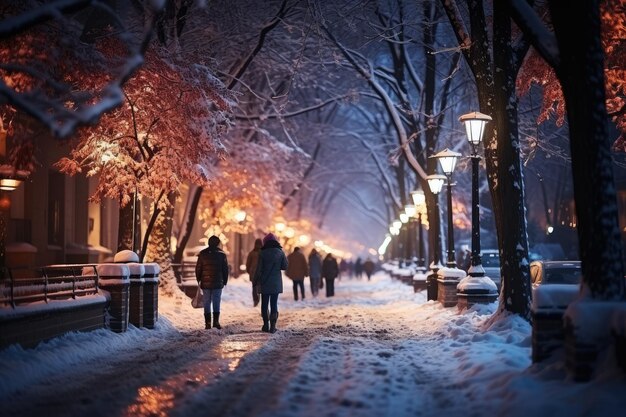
{"points": [[159, 400]]}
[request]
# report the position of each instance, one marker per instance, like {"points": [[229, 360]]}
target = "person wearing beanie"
{"points": [[269, 280], [212, 276]]}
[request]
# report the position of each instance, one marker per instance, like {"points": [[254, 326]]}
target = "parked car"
{"points": [[491, 264], [555, 272]]}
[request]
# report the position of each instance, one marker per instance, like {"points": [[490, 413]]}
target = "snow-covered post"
{"points": [[150, 294], [475, 287], [135, 307], [547, 310], [136, 272], [114, 279]]}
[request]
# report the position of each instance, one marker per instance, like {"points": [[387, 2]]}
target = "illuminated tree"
{"points": [[166, 133], [47, 47], [536, 71]]}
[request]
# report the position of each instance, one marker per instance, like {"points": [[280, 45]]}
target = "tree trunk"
{"points": [[127, 226], [513, 245], [581, 73], [159, 245], [189, 218]]}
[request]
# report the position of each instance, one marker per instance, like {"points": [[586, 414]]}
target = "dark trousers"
{"points": [[298, 283], [255, 296], [272, 300], [330, 287]]}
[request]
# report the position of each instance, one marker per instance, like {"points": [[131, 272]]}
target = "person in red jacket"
{"points": [[212, 276]]}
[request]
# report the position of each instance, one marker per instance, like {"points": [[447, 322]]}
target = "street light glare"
{"points": [[240, 216], [418, 197]]}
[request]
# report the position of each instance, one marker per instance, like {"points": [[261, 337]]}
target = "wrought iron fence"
{"points": [[56, 282]]}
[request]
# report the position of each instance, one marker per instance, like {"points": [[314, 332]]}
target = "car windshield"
{"points": [[562, 276], [490, 260]]}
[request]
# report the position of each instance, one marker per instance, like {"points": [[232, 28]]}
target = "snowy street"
{"points": [[375, 349]]}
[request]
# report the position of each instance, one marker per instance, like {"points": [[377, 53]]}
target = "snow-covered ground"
{"points": [[375, 349]]}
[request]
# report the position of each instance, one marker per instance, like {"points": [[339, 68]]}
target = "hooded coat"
{"points": [[272, 261]]}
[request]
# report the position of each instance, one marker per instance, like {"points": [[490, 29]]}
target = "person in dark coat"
{"points": [[358, 268], [368, 267], [330, 270], [212, 276], [251, 263], [315, 271], [296, 271], [268, 276]]}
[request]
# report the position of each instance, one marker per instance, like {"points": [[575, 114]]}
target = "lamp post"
{"points": [[447, 159], [240, 217], [405, 238], [419, 200], [409, 211], [394, 229], [475, 126], [435, 182], [475, 288]]}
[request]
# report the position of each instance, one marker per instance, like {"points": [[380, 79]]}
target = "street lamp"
{"points": [[409, 212], [435, 182], [447, 159], [475, 126], [419, 201]]}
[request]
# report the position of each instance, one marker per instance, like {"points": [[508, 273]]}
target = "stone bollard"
{"points": [[589, 332], [547, 310], [447, 280], [431, 281], [419, 281], [476, 290], [135, 306], [150, 295], [114, 279]]}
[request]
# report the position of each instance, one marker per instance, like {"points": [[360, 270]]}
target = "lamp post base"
{"points": [[476, 290], [447, 281]]}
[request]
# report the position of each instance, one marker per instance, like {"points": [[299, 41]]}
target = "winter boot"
{"points": [[266, 321], [207, 320], [216, 320], [273, 318]]}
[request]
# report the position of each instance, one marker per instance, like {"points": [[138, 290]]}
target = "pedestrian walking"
{"points": [[330, 271], [343, 269], [212, 276], [315, 271], [358, 268], [268, 278], [368, 268], [297, 270], [252, 261]]}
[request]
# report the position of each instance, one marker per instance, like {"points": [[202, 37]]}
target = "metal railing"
{"points": [[185, 272], [57, 282]]}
